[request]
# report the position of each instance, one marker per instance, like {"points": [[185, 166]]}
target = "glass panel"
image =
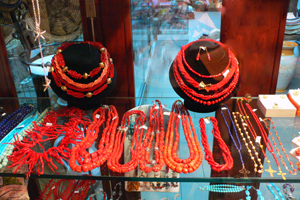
{"points": [[287, 129], [61, 21], [289, 70], [159, 29]]}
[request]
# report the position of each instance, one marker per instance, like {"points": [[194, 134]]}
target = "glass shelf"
{"points": [[287, 129]]}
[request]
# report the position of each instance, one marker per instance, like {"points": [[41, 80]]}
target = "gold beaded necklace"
{"points": [[260, 165]]}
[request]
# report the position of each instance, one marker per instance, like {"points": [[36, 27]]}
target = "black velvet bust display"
{"points": [[83, 58], [217, 64]]}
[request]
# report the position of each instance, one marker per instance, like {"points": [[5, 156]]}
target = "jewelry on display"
{"points": [[266, 141], [253, 133], [259, 194], [11, 121], [80, 90], [288, 194], [156, 127], [48, 130], [66, 189], [248, 197], [177, 195], [113, 162], [100, 190], [239, 146], [181, 75], [247, 136], [269, 186], [223, 188], [114, 193], [6, 148], [133, 186], [188, 165], [208, 154], [88, 161], [294, 172]]}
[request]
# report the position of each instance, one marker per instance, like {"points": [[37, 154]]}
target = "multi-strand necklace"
{"points": [[225, 151], [266, 141], [248, 142], [236, 142], [79, 90], [88, 161], [181, 70], [156, 128], [13, 120], [113, 162], [249, 125], [179, 112]]}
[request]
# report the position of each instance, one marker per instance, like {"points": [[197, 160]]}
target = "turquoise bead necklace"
{"points": [[269, 186], [223, 188], [259, 194]]}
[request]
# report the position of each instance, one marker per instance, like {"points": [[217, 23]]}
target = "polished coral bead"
{"points": [[178, 169]]}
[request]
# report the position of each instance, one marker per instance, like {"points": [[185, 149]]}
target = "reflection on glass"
{"points": [[159, 29]]}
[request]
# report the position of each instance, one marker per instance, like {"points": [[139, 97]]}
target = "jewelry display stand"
{"points": [[164, 173], [205, 74], [81, 59], [276, 106], [293, 153]]}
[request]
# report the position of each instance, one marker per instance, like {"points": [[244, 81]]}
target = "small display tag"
{"points": [[260, 119], [21, 126], [97, 116], [254, 109], [105, 106], [245, 124], [258, 139], [156, 107], [224, 108], [3, 114], [167, 113], [115, 117], [76, 191], [179, 116], [144, 127], [225, 73], [48, 124], [53, 188], [206, 120]]}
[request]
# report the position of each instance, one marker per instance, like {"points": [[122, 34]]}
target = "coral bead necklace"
{"points": [[294, 171], [171, 159], [113, 162], [156, 127], [88, 161], [181, 75], [266, 141], [75, 89], [225, 151]]}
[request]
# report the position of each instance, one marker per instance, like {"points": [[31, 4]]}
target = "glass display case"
{"points": [[228, 163]]}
